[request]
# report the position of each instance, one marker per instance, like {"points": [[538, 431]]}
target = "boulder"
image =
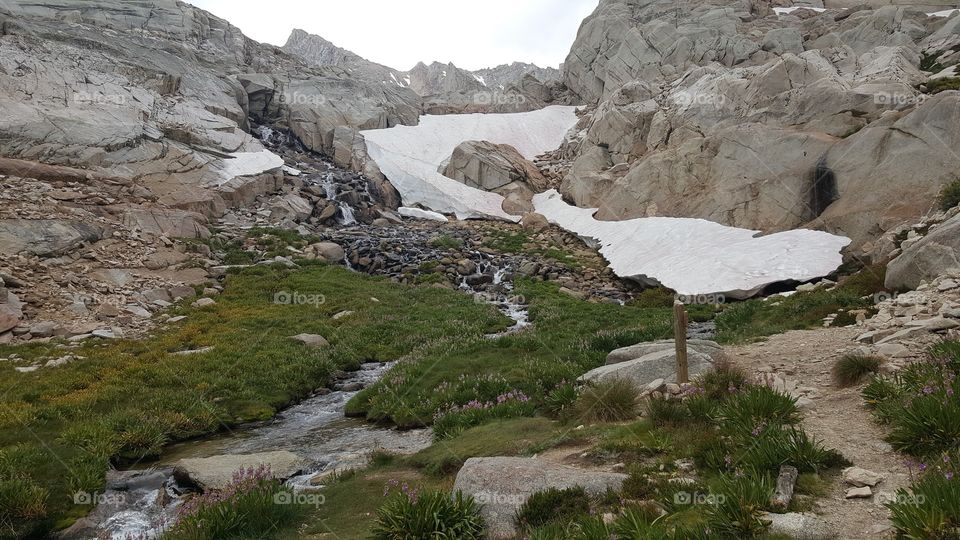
{"points": [[291, 206], [215, 473], [502, 484], [624, 354], [45, 237], [935, 254], [166, 222], [488, 166], [656, 365], [800, 526], [328, 251], [311, 340]]}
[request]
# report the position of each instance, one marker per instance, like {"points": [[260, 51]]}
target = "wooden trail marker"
{"points": [[680, 338]]}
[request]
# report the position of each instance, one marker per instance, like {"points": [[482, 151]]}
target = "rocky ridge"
{"points": [[761, 118]]}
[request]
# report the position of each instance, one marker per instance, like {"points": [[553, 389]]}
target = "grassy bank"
{"points": [[569, 337], [62, 427]]}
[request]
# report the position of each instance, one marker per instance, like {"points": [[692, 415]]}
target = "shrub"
{"points": [[722, 381], [666, 412], [930, 509], [920, 403], [853, 369], [411, 515], [950, 196], [609, 401], [758, 406], [739, 501], [553, 506], [252, 505], [560, 400], [935, 86], [776, 446]]}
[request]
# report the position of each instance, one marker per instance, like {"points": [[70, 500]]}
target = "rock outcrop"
{"points": [[760, 118], [933, 255]]}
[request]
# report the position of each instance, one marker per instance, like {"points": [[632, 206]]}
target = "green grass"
{"points": [[553, 506], [569, 338], [950, 196], [753, 319], [63, 427], [935, 86], [351, 504], [920, 404], [518, 436]]}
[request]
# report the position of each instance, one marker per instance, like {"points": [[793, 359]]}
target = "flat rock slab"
{"points": [[217, 472], [625, 354], [656, 365], [502, 484], [800, 526]]}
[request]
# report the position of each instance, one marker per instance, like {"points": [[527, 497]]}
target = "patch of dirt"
{"points": [[838, 417]]}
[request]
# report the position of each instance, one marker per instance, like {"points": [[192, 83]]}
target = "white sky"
{"points": [[400, 33]]}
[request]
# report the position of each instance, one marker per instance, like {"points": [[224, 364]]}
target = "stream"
{"points": [[140, 503]]}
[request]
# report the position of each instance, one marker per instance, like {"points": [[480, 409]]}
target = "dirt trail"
{"points": [[838, 417]]}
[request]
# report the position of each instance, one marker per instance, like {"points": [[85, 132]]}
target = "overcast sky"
{"points": [[400, 33]]}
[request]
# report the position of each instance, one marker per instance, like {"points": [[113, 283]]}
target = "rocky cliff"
{"points": [[762, 116], [425, 80]]}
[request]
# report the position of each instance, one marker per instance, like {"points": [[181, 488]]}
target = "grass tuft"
{"points": [[610, 401], [853, 369]]}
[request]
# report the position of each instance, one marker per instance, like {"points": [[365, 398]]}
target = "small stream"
{"points": [[140, 504]]}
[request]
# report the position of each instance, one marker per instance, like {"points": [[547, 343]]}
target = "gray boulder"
{"points": [[935, 254], [800, 526], [502, 484], [45, 237], [488, 166], [215, 473], [656, 365], [625, 354]]}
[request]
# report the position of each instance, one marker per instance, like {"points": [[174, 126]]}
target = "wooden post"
{"points": [[680, 337], [785, 486]]}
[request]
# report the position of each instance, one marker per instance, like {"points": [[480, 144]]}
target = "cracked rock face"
{"points": [[734, 112]]}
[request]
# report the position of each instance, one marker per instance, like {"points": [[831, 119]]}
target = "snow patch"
{"points": [[410, 156], [247, 164], [789, 10], [695, 256], [944, 13], [421, 214]]}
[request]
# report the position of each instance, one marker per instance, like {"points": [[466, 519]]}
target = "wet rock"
{"points": [[216, 472]]}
